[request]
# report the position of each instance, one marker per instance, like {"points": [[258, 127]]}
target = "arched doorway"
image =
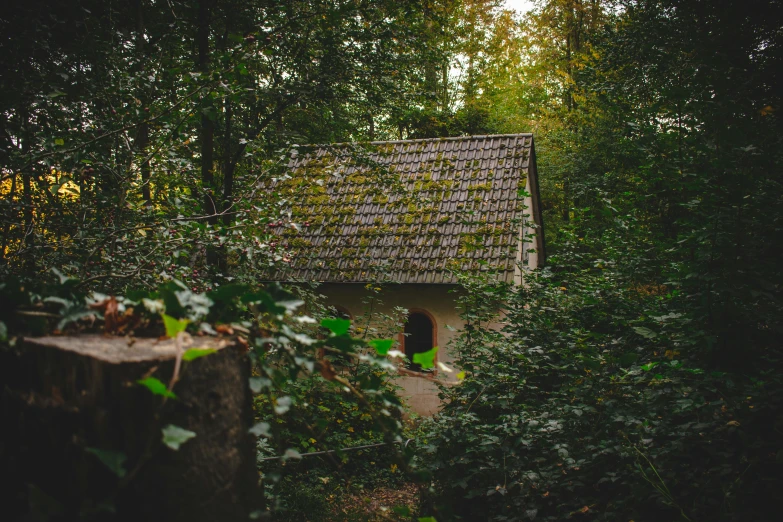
{"points": [[419, 337]]}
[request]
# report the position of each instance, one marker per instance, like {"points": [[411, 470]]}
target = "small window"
{"points": [[419, 337]]}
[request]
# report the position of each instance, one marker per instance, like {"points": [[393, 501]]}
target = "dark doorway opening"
{"points": [[419, 337]]}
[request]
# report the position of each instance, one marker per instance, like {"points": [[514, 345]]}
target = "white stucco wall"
{"points": [[420, 393], [527, 252]]}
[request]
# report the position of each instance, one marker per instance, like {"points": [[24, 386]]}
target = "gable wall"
{"points": [[527, 251]]}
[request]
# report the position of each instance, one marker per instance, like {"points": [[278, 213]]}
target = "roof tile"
{"points": [[406, 205]]}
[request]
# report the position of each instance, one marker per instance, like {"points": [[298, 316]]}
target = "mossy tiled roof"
{"points": [[408, 211]]}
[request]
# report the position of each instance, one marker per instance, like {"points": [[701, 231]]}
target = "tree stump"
{"points": [[66, 399]]}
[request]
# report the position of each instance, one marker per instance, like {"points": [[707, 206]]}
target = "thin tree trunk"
{"points": [[28, 230], [9, 218], [228, 182], [142, 133], [444, 68], [228, 166], [371, 121], [142, 141], [207, 125], [568, 98], [431, 67]]}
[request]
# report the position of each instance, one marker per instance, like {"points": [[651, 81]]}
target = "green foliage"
{"points": [[347, 401], [632, 373], [303, 405], [174, 436], [425, 359], [154, 385], [382, 346], [637, 377], [322, 416], [145, 155], [195, 353], [572, 412], [113, 460], [630, 380], [173, 326], [336, 325]]}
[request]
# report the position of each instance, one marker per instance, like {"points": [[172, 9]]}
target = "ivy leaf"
{"points": [[291, 453], [290, 305], [261, 429], [444, 368], [259, 383], [645, 332], [195, 353], [283, 404], [154, 385], [114, 460], [174, 326], [426, 359], [174, 436], [427, 519], [382, 346], [336, 326]]}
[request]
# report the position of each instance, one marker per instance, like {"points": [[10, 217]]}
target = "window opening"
{"points": [[419, 337]]}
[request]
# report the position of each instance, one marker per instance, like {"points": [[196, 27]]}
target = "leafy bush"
{"points": [[600, 400], [329, 411]]}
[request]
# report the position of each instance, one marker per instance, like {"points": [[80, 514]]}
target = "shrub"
{"points": [[601, 400]]}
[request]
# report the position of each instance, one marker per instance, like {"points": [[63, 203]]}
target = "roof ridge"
{"points": [[416, 140]]}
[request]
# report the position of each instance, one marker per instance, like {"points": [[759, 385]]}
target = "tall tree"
{"points": [[118, 119]]}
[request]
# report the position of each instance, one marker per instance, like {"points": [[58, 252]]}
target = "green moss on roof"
{"points": [[420, 207]]}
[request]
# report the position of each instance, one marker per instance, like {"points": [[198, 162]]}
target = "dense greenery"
{"points": [[639, 376], [638, 373], [138, 138], [603, 400]]}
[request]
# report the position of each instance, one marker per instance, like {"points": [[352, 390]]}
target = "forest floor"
{"points": [[378, 504]]}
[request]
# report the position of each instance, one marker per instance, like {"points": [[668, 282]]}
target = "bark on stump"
{"points": [[63, 395]]}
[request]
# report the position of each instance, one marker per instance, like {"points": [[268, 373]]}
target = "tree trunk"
{"points": [[143, 131], [228, 185], [207, 127], [65, 397], [28, 231], [9, 218], [371, 131]]}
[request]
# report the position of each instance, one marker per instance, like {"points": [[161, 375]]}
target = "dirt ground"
{"points": [[379, 505]]}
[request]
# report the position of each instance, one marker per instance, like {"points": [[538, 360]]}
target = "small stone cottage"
{"points": [[413, 213]]}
